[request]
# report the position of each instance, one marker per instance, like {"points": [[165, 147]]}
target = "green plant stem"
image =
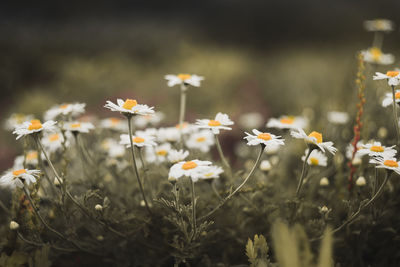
{"points": [[135, 165], [193, 209], [238, 188], [53, 190], [182, 113], [300, 184], [221, 155], [395, 116], [378, 40]]}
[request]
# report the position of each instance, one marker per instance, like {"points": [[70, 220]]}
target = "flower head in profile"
{"points": [[392, 77], [386, 163], [183, 79], [202, 140], [221, 122], [129, 107], [376, 56], [193, 169], [316, 158], [16, 120], [381, 25], [78, 127], [33, 126], [315, 139], [141, 140], [388, 99], [288, 122], [114, 124], [266, 139], [53, 141], [17, 178], [66, 109], [211, 172], [376, 149], [175, 156], [338, 117]]}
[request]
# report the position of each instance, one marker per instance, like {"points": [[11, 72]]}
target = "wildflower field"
{"points": [[178, 175]]}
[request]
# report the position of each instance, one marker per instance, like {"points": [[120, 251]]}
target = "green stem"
{"points": [[378, 40], [395, 116], [193, 209], [238, 188], [303, 172], [221, 155], [182, 113], [135, 165]]}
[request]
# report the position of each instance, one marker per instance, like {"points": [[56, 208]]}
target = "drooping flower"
{"points": [[338, 117], [376, 149], [137, 140], [220, 122], [185, 79], [66, 109], [17, 178], [314, 138], [388, 100], [175, 156], [78, 127], [202, 140], [316, 158], [33, 126], [193, 169], [392, 77], [288, 122], [266, 139], [376, 56], [129, 107], [383, 25]]}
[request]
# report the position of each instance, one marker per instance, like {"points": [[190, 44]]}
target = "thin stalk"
{"points": [[193, 209], [303, 172], [378, 40], [238, 188], [48, 159], [182, 112], [221, 155], [135, 165], [33, 243], [395, 116], [375, 180]]}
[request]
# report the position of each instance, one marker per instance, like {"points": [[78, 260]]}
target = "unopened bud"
{"points": [[14, 225], [324, 181], [98, 207], [324, 209], [265, 166], [361, 181], [356, 161], [56, 181]]}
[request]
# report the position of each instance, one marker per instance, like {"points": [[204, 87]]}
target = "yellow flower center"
{"points": [[392, 73], [19, 172], [377, 149], [129, 104], [35, 125], [75, 125], [264, 136], [32, 155], [64, 106], [181, 126], [316, 135], [391, 163], [184, 77], [314, 161], [162, 152], [189, 165], [114, 121], [287, 120], [214, 123], [376, 53], [201, 139], [54, 137], [138, 139]]}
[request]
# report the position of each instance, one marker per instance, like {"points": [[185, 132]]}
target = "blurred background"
{"points": [[273, 57]]}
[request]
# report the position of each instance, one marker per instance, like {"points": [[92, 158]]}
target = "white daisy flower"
{"points": [[220, 122], [31, 159], [251, 120], [193, 169], [53, 142], [137, 140], [169, 134], [129, 107], [78, 127], [66, 109], [151, 119], [350, 149], [316, 158], [375, 55], [114, 124], [112, 148], [186, 128], [314, 138], [16, 120], [175, 156], [266, 139], [34, 126], [158, 154], [383, 25], [338, 117], [386, 163], [388, 100], [393, 77], [288, 122], [17, 178], [185, 79], [211, 172], [376, 149], [202, 140]]}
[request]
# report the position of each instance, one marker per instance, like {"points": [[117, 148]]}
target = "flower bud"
{"points": [[324, 181], [361, 181], [98, 207], [14, 225], [265, 166]]}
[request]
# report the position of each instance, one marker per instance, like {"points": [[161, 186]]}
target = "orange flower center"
{"points": [[316, 135], [391, 163], [397, 95], [201, 139], [138, 139], [181, 126], [32, 155], [54, 137], [35, 125], [129, 104], [264, 136], [184, 77], [214, 123], [287, 120], [376, 53], [377, 149], [162, 152], [392, 73], [19, 172], [189, 165], [114, 121], [64, 106], [314, 161], [75, 125]]}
